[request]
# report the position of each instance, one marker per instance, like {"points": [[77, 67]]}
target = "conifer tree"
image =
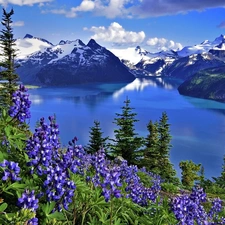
{"points": [[151, 153], [157, 150], [221, 179], [7, 64], [166, 167], [127, 143], [189, 173], [96, 141]]}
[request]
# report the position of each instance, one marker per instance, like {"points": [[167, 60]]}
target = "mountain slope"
{"points": [[90, 63], [67, 63], [208, 84]]}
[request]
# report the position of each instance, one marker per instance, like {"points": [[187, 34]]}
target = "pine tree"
{"points": [[7, 75], [221, 179], [151, 153], [167, 171], [157, 149], [127, 143], [96, 141]]}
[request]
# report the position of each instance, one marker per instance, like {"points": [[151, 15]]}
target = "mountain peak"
{"points": [[93, 44], [77, 42], [29, 36]]}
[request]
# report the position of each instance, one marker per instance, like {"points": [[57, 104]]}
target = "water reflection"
{"points": [[139, 84]]}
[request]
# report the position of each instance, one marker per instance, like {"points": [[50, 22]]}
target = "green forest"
{"points": [[127, 179]]}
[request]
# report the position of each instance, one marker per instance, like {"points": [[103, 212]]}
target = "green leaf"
{"points": [[57, 216], [3, 206], [16, 186], [48, 207]]}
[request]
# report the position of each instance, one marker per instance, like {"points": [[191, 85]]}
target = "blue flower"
{"points": [[20, 108], [11, 171], [28, 201]]}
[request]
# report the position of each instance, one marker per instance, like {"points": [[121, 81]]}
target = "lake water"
{"points": [[197, 125]]}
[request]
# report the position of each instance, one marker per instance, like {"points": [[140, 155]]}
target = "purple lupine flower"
{"points": [[111, 182], [28, 201], [216, 207], [21, 105], [33, 221], [135, 189], [58, 186], [42, 147], [188, 208], [11, 171]]}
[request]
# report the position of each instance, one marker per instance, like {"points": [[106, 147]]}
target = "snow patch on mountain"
{"points": [[130, 54], [28, 46], [204, 47]]}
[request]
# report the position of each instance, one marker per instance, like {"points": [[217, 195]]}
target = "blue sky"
{"points": [[152, 24]]}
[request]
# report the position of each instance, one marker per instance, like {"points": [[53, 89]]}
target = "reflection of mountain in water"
{"points": [[92, 100], [140, 83]]}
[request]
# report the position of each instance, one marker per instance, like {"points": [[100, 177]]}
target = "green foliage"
{"points": [[160, 213], [13, 136], [189, 173], [151, 153], [156, 153], [170, 188], [96, 141], [19, 218], [127, 143], [220, 181], [8, 53]]}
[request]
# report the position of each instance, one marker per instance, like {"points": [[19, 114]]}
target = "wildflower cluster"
{"points": [[28, 201], [136, 189], [11, 171], [21, 105], [188, 209], [42, 147], [110, 176]]}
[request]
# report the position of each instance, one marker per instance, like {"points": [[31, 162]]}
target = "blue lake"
{"points": [[197, 125]]}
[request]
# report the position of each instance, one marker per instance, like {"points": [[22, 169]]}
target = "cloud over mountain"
{"points": [[116, 34], [163, 44]]}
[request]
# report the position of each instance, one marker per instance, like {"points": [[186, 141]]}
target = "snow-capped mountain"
{"points": [[75, 62], [68, 62], [144, 63], [182, 63], [204, 47]]}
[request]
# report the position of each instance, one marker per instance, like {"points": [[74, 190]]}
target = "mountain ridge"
{"points": [[47, 64]]}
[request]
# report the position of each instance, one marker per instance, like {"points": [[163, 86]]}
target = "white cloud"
{"points": [[163, 44], [70, 13], [107, 8], [116, 34], [22, 2], [18, 24], [85, 6]]}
